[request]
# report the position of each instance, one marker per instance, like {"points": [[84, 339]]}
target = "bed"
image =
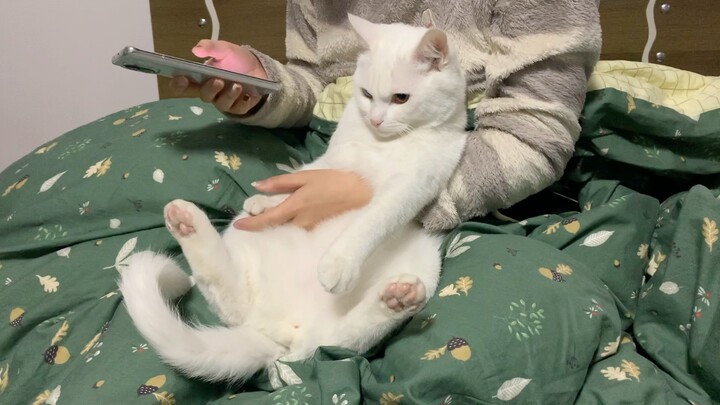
{"points": [[623, 263]]}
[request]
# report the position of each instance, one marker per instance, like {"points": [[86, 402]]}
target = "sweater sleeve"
{"points": [[300, 77], [534, 80]]}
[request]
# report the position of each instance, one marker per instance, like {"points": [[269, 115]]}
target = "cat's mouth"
{"points": [[388, 130]]}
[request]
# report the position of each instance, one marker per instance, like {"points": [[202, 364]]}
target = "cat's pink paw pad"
{"points": [[404, 294], [179, 219]]}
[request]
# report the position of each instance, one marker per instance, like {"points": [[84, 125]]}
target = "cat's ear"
{"points": [[428, 21], [364, 28], [433, 49]]}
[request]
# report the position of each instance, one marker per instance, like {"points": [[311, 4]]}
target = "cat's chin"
{"points": [[386, 133]]}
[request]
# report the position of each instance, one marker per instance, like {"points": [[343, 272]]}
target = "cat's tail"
{"points": [[213, 353]]}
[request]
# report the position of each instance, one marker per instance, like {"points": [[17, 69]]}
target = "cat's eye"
{"points": [[400, 98], [366, 94]]}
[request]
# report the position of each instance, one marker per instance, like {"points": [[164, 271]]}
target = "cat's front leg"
{"points": [[339, 269]]}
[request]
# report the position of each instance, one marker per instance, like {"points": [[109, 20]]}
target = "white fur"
{"points": [[284, 292]]}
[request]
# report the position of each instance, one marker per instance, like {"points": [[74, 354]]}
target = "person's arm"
{"points": [[535, 80], [301, 77]]}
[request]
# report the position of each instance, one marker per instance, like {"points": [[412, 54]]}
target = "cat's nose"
{"points": [[376, 123]]}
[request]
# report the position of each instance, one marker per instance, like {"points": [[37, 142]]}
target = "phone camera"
{"points": [[142, 69]]}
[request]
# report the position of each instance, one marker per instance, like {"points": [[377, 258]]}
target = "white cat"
{"points": [[285, 291]]}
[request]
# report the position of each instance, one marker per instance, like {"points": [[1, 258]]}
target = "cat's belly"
{"points": [[282, 263], [289, 303]]}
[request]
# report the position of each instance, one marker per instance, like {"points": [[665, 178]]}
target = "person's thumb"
{"points": [[217, 50], [272, 217]]}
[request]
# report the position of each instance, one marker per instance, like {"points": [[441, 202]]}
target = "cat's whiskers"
{"points": [[406, 129], [397, 128]]}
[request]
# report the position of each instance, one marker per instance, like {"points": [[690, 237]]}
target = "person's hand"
{"points": [[228, 98], [315, 195]]}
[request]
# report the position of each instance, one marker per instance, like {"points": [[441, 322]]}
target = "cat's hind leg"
{"points": [[217, 277], [403, 295], [182, 218], [387, 304]]}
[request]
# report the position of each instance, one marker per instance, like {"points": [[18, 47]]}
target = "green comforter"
{"points": [[614, 301]]}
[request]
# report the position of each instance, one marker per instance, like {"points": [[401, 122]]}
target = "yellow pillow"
{"points": [[331, 102]]}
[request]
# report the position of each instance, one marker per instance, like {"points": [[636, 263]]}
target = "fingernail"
{"points": [[235, 88], [241, 225], [257, 184]]}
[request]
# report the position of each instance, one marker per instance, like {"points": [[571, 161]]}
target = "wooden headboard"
{"points": [[687, 33]]}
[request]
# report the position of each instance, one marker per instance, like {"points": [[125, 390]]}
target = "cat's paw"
{"points": [[259, 203], [403, 294], [338, 274], [181, 217]]}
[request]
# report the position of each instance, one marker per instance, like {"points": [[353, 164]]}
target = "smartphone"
{"points": [[169, 66]]}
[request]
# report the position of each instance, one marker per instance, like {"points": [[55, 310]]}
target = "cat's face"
{"points": [[402, 81], [388, 99]]}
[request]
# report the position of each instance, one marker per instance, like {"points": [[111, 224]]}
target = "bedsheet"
{"points": [[614, 301]]}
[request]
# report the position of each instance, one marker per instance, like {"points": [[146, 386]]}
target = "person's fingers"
{"points": [[284, 183], [228, 98], [243, 104], [178, 85], [304, 221], [272, 217], [181, 86], [210, 89]]}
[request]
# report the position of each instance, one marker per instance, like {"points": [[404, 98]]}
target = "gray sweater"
{"points": [[530, 58]]}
